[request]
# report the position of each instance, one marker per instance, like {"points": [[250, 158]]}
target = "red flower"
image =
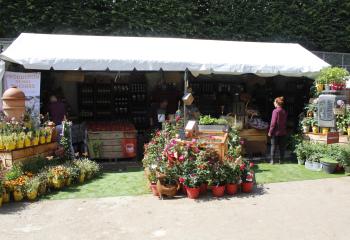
{"points": [[181, 180], [181, 158], [251, 165], [242, 167]]}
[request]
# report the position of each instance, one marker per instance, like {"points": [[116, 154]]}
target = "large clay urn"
{"points": [[13, 103]]}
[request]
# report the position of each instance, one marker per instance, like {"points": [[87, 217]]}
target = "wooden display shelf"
{"points": [[322, 138], [255, 141], [8, 158]]}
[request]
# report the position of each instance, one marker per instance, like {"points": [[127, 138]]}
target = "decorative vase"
{"points": [[17, 195], [13, 103], [306, 129], [203, 188], [247, 187], [218, 191], [314, 129], [27, 142], [32, 195], [81, 178], [319, 87], [154, 189], [5, 197], [193, 193], [231, 188], [325, 130], [42, 140]]}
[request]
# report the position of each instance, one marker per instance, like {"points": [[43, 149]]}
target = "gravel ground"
{"points": [[317, 209]]}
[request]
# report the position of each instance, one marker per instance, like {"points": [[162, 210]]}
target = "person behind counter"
{"points": [[158, 114], [278, 130], [56, 110]]}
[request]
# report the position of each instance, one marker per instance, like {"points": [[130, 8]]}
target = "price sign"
{"points": [[326, 116]]}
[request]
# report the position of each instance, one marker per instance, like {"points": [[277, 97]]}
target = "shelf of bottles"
{"points": [[87, 101], [139, 106]]}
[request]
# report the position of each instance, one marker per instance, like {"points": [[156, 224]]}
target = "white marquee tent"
{"points": [[100, 53]]}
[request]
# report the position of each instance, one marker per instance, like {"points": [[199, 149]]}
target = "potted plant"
{"points": [[32, 187], [232, 171], [43, 183], [192, 183], [209, 123], [328, 164], [19, 188], [247, 177], [43, 134], [20, 140], [218, 180], [333, 77], [306, 123], [301, 151], [320, 82], [314, 125], [48, 134], [28, 139], [36, 138]]}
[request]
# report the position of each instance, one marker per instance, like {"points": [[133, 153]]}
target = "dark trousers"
{"points": [[279, 141]]}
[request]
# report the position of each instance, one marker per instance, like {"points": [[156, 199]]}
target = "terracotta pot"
{"points": [[154, 189], [247, 187], [192, 193], [203, 188], [14, 103], [218, 191], [231, 188]]}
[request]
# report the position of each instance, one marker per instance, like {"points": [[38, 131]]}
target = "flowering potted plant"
{"points": [[232, 172], [43, 135], [218, 180], [36, 138], [192, 183], [32, 187], [335, 76], [20, 140], [247, 177]]}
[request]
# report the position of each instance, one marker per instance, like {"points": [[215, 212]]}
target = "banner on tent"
{"points": [[29, 83]]}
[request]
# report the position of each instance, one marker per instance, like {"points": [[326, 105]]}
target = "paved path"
{"points": [[318, 209]]}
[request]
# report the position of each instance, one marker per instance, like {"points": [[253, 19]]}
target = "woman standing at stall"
{"points": [[278, 130]]}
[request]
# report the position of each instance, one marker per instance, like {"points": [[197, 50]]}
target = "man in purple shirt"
{"points": [[278, 129]]}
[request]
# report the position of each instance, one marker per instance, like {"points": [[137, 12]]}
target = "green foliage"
{"points": [[14, 173], [207, 120], [332, 75], [32, 184], [319, 25]]}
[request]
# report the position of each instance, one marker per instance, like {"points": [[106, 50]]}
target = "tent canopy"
{"points": [[100, 53]]}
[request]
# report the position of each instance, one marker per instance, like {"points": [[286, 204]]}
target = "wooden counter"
{"points": [[255, 141]]}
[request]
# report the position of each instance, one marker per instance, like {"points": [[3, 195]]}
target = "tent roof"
{"points": [[99, 53]]}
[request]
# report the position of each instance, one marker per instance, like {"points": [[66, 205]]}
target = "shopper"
{"points": [[159, 114], [278, 131]]}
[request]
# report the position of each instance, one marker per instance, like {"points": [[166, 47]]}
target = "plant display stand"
{"points": [[255, 141], [8, 158], [322, 138]]}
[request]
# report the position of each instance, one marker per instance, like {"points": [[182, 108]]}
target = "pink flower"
{"points": [[251, 165], [194, 140], [196, 150], [181, 180], [181, 158], [242, 167]]}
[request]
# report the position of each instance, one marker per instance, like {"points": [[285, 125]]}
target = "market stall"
{"points": [[113, 78]]}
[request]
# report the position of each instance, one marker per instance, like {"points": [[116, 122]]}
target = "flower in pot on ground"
{"points": [[43, 182], [218, 179], [72, 174], [247, 176], [192, 182], [232, 172], [58, 175], [32, 187]]}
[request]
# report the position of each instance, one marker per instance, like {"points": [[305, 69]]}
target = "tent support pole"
{"points": [[185, 92]]}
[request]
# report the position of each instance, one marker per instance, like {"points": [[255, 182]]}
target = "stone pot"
{"points": [[13, 101]]}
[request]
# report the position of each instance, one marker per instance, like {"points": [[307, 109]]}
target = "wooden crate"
{"points": [[8, 158], [216, 140], [255, 140]]}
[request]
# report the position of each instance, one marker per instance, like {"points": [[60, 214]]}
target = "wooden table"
{"points": [[255, 141], [322, 138]]}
